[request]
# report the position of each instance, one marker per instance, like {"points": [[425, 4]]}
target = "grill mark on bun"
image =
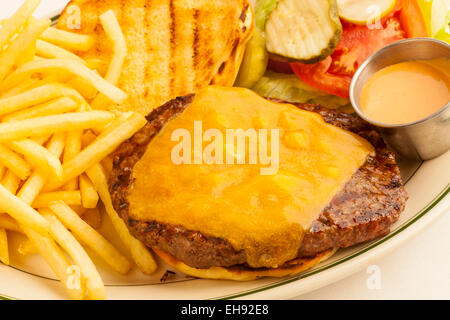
{"points": [[172, 63], [196, 56], [243, 14]]}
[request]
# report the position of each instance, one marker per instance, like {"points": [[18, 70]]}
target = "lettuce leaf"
{"points": [[263, 9], [288, 87]]}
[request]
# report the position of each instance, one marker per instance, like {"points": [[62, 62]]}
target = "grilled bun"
{"points": [[175, 47], [244, 273]]}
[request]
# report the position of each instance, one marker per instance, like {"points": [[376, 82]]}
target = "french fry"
{"points": [[18, 47], [42, 139], [20, 17], [8, 223], [66, 240], [33, 186], [48, 50], [139, 252], [42, 159], [93, 218], [57, 77], [87, 138], [22, 212], [27, 247], [28, 98], [107, 165], [89, 196], [46, 198], [83, 87], [11, 182], [99, 149], [101, 66], [27, 56], [58, 262], [4, 253], [123, 117], [2, 171], [90, 237], [57, 106], [73, 67], [75, 95], [69, 40], [56, 144], [41, 126], [73, 147], [32, 97], [52, 254], [46, 246], [115, 35], [14, 162], [79, 84], [20, 88]]}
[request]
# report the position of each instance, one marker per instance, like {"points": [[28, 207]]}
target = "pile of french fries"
{"points": [[54, 137]]}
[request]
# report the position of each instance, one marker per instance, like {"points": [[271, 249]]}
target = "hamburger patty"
{"points": [[363, 210]]}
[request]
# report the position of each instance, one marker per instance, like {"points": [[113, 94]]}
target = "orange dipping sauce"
{"points": [[407, 92]]}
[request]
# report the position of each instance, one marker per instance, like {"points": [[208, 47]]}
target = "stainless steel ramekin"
{"points": [[424, 139]]}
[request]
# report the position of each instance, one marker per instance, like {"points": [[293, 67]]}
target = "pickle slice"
{"points": [[363, 12], [306, 31]]}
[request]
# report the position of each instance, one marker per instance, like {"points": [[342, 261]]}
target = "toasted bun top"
{"points": [[175, 47]]}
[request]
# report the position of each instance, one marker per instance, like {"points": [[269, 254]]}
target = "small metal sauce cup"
{"points": [[421, 140]]}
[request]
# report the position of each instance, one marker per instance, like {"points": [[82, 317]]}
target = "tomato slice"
{"points": [[411, 19], [318, 76], [359, 42], [333, 75]]}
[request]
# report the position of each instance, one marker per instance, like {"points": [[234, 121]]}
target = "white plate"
{"points": [[426, 183]]}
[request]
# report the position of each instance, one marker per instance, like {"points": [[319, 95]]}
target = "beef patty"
{"points": [[363, 210]]}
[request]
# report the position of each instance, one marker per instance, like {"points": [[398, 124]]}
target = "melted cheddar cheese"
{"points": [[264, 214]]}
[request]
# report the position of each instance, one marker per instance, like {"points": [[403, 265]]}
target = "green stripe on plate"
{"points": [[4, 297]]}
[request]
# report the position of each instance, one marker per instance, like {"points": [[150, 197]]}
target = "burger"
{"points": [[336, 184]]}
